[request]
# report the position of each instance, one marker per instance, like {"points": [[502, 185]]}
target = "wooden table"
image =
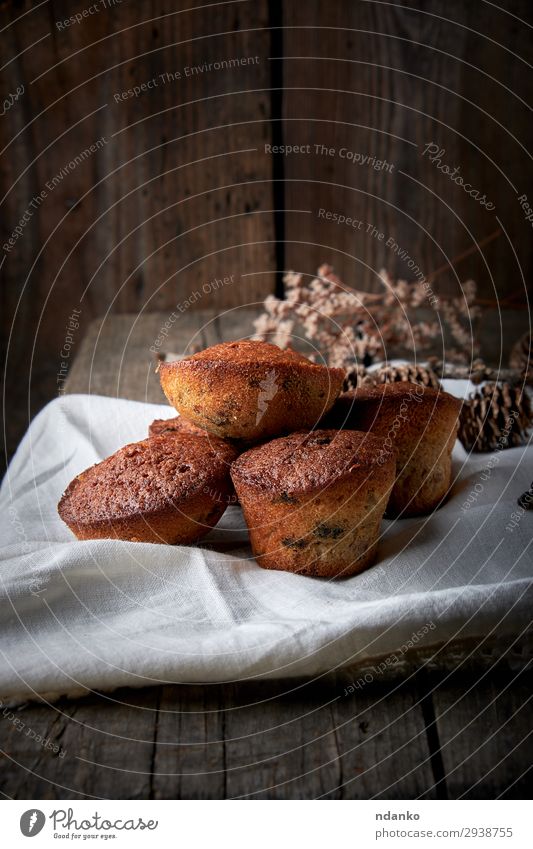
{"points": [[438, 734]]}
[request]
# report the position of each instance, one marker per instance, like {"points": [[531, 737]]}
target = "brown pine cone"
{"points": [[410, 372], [496, 416], [355, 376]]}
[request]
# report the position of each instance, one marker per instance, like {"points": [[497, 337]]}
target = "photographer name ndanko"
{"points": [[352, 156], [186, 72], [65, 819], [394, 815]]}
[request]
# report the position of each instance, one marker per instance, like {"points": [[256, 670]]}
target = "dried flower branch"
{"points": [[349, 325]]}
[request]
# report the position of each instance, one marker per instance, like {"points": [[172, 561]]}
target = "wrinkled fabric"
{"points": [[96, 615]]}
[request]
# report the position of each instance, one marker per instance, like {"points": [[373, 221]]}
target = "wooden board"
{"points": [[173, 198], [179, 195], [276, 740], [484, 731], [380, 81]]}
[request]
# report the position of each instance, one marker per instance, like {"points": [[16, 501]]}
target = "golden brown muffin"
{"points": [[172, 488], [177, 424], [313, 502], [420, 423], [250, 390]]}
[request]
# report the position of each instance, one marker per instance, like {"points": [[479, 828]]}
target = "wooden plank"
{"points": [[189, 758], [175, 123], [382, 740], [484, 728], [383, 81], [266, 740], [282, 744], [174, 197], [106, 747], [294, 739], [284, 739]]}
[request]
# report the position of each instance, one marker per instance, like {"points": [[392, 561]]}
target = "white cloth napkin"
{"points": [[102, 614]]}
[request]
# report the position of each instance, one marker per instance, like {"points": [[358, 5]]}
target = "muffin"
{"points": [[421, 424], [250, 390], [172, 488], [177, 424], [313, 502]]}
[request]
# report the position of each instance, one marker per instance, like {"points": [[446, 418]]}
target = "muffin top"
{"points": [[385, 400], [244, 355], [145, 477], [303, 461], [395, 389], [177, 424], [247, 351], [400, 389]]}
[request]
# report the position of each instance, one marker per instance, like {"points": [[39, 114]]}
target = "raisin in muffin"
{"points": [[250, 390], [172, 488], [313, 503], [421, 424]]}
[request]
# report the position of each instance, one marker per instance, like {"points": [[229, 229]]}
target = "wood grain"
{"points": [[183, 190], [484, 731], [276, 740], [382, 740], [181, 193], [173, 198], [383, 80]]}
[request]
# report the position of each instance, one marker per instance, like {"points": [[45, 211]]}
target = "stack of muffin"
{"points": [[314, 470]]}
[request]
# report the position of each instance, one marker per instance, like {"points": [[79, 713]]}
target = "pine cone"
{"points": [[355, 376], [497, 416], [410, 372], [477, 371]]}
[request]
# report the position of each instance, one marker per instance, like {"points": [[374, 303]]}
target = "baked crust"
{"points": [[171, 488], [313, 502], [250, 390], [177, 424], [420, 423]]}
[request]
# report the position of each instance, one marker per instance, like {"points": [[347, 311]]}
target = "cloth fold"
{"points": [[77, 616]]}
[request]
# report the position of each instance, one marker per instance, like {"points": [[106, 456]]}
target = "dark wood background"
{"points": [[183, 191]]}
